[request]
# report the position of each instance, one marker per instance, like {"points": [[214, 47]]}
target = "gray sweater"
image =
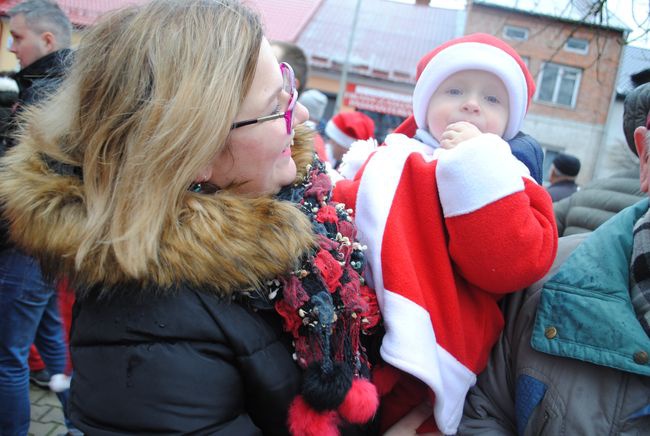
{"points": [[587, 371]]}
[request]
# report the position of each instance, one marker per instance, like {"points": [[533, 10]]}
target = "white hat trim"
{"points": [[473, 56], [337, 135]]}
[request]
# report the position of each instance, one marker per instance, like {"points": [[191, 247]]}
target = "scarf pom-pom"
{"points": [[305, 421], [326, 390], [360, 403]]}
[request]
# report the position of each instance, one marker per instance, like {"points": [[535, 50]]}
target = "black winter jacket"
{"points": [[188, 363], [41, 78]]}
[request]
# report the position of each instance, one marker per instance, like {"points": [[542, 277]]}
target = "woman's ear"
{"points": [[204, 175]]}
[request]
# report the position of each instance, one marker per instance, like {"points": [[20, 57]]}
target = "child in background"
{"points": [[453, 222], [342, 130], [316, 103]]}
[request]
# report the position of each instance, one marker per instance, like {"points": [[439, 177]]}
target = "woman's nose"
{"points": [[300, 114]]}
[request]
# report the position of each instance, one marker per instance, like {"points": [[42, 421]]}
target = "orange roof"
{"points": [[390, 37], [283, 19], [80, 12]]}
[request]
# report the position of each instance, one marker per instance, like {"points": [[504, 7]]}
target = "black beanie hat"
{"points": [[567, 164]]}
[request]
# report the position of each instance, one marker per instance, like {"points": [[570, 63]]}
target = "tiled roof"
{"points": [[570, 10], [390, 37], [633, 60], [80, 12], [284, 19]]}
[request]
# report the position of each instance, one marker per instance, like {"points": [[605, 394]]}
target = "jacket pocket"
{"points": [[534, 408]]}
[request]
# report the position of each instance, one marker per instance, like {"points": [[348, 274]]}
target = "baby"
{"points": [[453, 222]]}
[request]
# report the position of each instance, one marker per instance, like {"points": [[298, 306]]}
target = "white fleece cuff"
{"points": [[477, 172]]}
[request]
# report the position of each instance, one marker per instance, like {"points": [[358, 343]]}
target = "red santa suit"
{"points": [[448, 233]]}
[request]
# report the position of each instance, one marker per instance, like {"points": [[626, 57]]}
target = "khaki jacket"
{"points": [[587, 370]]}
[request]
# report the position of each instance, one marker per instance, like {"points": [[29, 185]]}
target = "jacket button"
{"points": [[641, 357], [550, 332]]}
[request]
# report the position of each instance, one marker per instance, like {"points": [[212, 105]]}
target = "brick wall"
{"points": [[581, 130], [546, 39]]}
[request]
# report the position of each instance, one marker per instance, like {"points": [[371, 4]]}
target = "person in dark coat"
{"points": [[29, 311], [218, 288], [562, 175], [8, 99], [601, 199]]}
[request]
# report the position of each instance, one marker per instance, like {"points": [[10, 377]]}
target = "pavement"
{"points": [[46, 414]]}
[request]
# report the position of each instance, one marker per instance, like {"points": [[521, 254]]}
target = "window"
{"points": [[577, 45], [558, 84], [515, 33]]}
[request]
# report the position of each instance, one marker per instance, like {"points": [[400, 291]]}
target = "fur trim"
{"points": [[225, 243], [8, 84]]}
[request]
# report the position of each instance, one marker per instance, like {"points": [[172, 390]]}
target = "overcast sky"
{"points": [[634, 13]]}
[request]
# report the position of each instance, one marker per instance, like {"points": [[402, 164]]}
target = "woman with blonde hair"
{"points": [[218, 287]]}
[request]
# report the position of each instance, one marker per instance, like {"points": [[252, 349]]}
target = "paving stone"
{"points": [[53, 416], [49, 400], [46, 415], [36, 394], [40, 429], [36, 411]]}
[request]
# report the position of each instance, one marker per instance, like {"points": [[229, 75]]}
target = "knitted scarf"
{"points": [[325, 306], [640, 272]]}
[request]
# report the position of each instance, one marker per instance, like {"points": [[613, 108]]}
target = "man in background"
{"points": [[563, 173], [601, 199], [41, 36]]}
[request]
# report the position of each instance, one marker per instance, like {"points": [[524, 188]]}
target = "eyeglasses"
{"points": [[289, 88]]}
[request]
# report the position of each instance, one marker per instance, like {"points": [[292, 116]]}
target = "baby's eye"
{"points": [[454, 91], [492, 99]]}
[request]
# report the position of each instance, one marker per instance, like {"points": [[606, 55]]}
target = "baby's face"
{"points": [[477, 97]]}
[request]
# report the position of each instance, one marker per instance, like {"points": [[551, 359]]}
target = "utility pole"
{"points": [[346, 64]]}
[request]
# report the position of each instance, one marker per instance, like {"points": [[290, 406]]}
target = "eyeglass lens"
{"points": [[289, 87]]}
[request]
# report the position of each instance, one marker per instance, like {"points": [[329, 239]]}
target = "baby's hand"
{"points": [[457, 133]]}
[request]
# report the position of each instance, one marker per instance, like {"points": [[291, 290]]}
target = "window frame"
{"points": [[562, 70], [515, 28], [583, 51]]}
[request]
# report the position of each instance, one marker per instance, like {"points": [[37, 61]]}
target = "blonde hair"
{"points": [[150, 99]]}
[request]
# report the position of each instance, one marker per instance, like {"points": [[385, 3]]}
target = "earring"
{"points": [[203, 188]]}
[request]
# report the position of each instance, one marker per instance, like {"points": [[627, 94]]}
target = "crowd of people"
{"points": [[238, 265]]}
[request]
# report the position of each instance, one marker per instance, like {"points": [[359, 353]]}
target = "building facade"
{"points": [[575, 64]]}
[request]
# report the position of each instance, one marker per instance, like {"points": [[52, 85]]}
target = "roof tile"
{"points": [[81, 12], [390, 37], [284, 19]]}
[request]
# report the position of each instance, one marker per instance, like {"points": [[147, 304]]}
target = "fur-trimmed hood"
{"points": [[223, 242]]}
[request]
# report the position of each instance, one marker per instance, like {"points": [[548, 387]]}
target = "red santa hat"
{"points": [[347, 127], [478, 51]]}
